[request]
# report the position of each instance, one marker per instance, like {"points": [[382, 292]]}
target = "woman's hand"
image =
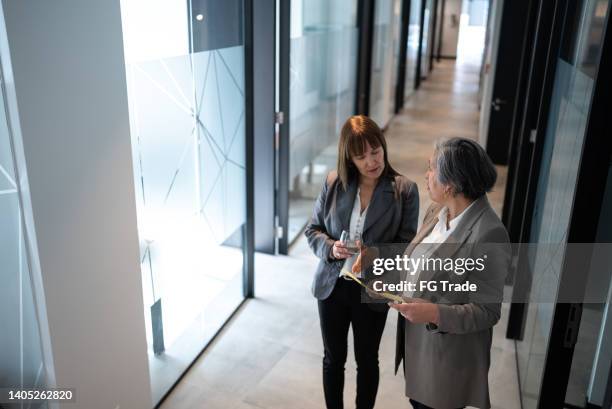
{"points": [[339, 251], [418, 311]]}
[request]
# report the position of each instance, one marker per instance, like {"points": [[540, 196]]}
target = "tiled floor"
{"points": [[269, 356]]}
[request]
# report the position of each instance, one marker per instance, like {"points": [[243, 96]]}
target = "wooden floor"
{"points": [[269, 356]]}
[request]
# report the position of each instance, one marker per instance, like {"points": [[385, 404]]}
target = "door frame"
{"points": [[283, 142], [400, 87], [525, 169], [418, 79], [434, 36], [365, 23]]}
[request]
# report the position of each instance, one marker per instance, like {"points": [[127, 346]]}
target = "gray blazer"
{"points": [[447, 367], [392, 217]]}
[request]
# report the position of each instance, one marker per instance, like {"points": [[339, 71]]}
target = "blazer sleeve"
{"points": [[484, 310], [410, 214], [319, 241]]}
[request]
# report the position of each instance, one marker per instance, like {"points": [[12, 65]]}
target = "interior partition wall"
{"points": [[185, 63], [412, 47], [317, 92], [426, 37], [385, 58], [408, 52]]}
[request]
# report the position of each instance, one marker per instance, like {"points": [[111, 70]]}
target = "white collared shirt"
{"points": [[357, 218], [439, 234]]}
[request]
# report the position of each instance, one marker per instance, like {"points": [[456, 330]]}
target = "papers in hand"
{"points": [[395, 298]]}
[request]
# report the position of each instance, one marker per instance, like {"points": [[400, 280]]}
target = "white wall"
{"points": [[450, 28], [69, 82]]}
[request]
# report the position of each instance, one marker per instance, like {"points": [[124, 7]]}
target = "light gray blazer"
{"points": [[392, 217], [448, 367]]}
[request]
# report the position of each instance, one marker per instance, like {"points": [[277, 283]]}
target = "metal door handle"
{"points": [[497, 103]]}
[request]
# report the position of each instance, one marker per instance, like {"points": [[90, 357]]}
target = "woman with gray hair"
{"points": [[444, 337]]}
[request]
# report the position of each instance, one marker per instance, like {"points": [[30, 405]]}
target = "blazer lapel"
{"points": [[382, 198], [457, 238], [345, 200], [429, 222], [463, 229]]}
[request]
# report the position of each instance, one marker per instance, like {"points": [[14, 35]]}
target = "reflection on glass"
{"points": [[186, 94], [585, 58], [322, 96], [385, 48], [412, 50], [569, 110], [21, 361]]}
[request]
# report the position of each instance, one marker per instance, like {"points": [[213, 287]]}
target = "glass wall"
{"points": [[426, 48], [412, 51], [21, 360], [185, 75], [323, 71], [385, 53], [569, 109]]}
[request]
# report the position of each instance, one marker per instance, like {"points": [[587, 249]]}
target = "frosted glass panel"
{"points": [[425, 50], [323, 71], [187, 118], [21, 362], [387, 19], [412, 50]]}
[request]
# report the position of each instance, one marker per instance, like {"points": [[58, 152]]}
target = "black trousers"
{"points": [[419, 405], [341, 309]]}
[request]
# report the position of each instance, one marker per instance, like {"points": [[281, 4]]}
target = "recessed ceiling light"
{"points": [[200, 17]]}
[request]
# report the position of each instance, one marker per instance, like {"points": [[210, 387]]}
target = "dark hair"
{"points": [[465, 166], [356, 131]]}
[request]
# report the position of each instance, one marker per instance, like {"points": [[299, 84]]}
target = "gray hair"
{"points": [[465, 166]]}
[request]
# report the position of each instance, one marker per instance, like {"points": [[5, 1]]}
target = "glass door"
{"points": [[385, 50], [563, 147], [322, 89], [426, 39], [412, 51], [185, 63]]}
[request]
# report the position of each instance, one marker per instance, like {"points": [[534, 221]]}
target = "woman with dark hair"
{"points": [[375, 204], [444, 337]]}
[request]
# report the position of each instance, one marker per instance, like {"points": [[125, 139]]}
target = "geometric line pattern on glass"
{"points": [[216, 146], [7, 177]]}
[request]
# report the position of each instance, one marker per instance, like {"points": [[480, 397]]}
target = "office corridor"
{"points": [[269, 355]]}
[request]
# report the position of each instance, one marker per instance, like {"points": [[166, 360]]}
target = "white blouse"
{"points": [[439, 234]]}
